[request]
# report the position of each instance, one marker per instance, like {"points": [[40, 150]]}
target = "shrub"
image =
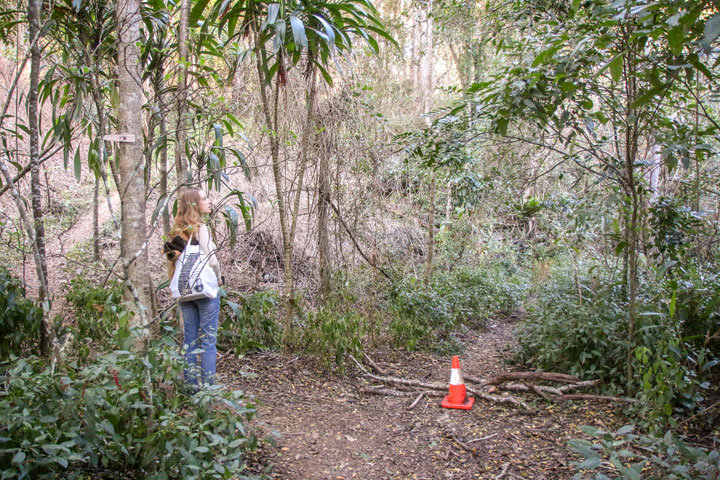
{"points": [[123, 416], [625, 455], [250, 322], [587, 337], [333, 332], [20, 318], [429, 316], [99, 313]]}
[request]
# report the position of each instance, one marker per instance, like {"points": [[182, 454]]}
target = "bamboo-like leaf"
{"points": [[197, 12], [298, 29], [78, 165]]}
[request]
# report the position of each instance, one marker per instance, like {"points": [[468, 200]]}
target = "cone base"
{"points": [[466, 405]]}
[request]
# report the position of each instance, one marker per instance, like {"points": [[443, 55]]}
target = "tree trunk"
{"points": [[431, 232], [130, 160], [631, 148], [96, 220], [163, 160], [34, 11], [323, 242], [181, 161]]}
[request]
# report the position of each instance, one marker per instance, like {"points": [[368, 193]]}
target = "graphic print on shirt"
{"points": [[187, 267]]}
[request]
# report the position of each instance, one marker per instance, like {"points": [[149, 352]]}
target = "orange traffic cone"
{"points": [[458, 396]]}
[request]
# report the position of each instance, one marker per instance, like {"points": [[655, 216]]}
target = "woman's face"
{"points": [[204, 203]]}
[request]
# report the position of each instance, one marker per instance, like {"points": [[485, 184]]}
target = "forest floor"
{"points": [[323, 427]]}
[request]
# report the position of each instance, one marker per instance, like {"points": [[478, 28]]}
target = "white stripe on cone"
{"points": [[456, 377]]}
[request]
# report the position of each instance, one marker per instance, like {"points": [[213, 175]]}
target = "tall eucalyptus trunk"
{"points": [[181, 160], [34, 11], [133, 246]]}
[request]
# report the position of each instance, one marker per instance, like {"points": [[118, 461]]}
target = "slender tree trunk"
{"points": [[103, 145], [271, 121], [181, 161], [96, 220], [163, 158], [34, 11], [427, 92], [631, 148], [304, 146], [130, 159], [431, 232], [323, 242]]}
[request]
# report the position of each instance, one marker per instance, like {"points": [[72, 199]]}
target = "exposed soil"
{"points": [[323, 427]]}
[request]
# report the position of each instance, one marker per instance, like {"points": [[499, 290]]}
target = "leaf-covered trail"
{"points": [[325, 428]]}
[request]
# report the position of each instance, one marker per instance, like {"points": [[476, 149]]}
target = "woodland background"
{"points": [[400, 174]]}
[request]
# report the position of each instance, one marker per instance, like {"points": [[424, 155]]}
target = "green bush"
{"points": [[333, 332], [250, 322], [587, 337], [429, 316], [124, 416], [628, 456], [99, 313], [20, 318]]}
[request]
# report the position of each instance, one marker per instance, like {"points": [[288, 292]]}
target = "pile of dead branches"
{"points": [[489, 389]]}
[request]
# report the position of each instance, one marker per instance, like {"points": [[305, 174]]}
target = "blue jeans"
{"points": [[200, 324]]}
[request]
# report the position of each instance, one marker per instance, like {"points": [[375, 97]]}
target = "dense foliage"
{"points": [[124, 414], [19, 317]]}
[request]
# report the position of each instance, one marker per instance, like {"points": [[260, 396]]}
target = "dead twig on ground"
{"points": [[417, 400], [374, 365], [503, 472], [481, 439]]}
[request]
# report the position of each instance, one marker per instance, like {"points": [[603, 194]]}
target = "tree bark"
{"points": [[130, 160], [181, 161], [34, 11], [431, 232], [96, 220], [323, 203]]}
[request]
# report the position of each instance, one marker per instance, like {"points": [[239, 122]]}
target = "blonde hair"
{"points": [[188, 215]]}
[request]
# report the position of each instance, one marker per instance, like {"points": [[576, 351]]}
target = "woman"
{"points": [[200, 317]]}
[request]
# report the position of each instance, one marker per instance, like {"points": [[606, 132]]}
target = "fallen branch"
{"points": [[525, 387], [544, 376], [397, 393], [587, 396], [433, 386], [374, 365]]}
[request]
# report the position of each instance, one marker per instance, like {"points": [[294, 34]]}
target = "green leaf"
{"points": [[325, 74], [671, 306], [78, 165], [197, 12], [589, 464], [616, 67], [625, 429], [298, 29], [645, 98], [502, 125], [545, 55], [676, 40], [19, 457]]}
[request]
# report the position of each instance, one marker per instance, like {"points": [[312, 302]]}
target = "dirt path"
{"points": [[58, 246], [326, 429]]}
